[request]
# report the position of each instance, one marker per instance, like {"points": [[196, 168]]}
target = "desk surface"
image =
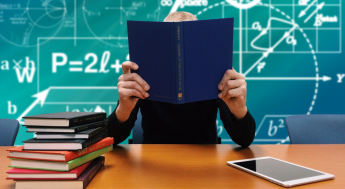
{"points": [[201, 166]]}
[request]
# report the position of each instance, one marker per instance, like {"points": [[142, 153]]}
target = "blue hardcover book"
{"points": [[182, 61]]}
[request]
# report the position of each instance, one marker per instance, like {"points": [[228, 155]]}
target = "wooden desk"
{"points": [[201, 166]]}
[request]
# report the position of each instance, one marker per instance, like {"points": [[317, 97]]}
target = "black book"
{"points": [[62, 144], [80, 135], [64, 119], [74, 129]]}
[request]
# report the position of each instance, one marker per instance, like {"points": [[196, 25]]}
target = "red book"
{"points": [[32, 174], [63, 156], [80, 183]]}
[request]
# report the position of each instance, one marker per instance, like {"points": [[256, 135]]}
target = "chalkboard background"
{"points": [[66, 55]]}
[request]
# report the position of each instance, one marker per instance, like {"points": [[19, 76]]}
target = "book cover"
{"points": [[33, 174], [58, 166], [19, 153], [81, 183], [182, 61], [62, 144], [64, 119]]}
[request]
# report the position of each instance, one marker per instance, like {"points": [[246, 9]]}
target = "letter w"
{"points": [[25, 73]]}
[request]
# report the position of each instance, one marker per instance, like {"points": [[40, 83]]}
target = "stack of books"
{"points": [[66, 152]]}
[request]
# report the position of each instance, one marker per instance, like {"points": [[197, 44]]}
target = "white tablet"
{"points": [[280, 172]]}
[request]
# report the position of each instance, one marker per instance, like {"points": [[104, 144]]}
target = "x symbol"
{"points": [[17, 66]]}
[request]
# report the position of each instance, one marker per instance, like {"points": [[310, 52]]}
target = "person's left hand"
{"points": [[234, 92]]}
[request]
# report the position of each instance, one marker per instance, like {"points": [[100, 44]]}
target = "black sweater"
{"points": [[190, 123]]}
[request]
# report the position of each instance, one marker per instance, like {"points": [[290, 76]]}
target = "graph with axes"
{"points": [[66, 55]]}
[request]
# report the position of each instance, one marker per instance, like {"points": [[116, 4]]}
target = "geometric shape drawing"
{"points": [[240, 4], [25, 22], [263, 48], [110, 20]]}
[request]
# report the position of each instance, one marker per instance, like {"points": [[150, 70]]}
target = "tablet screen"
{"points": [[278, 170]]}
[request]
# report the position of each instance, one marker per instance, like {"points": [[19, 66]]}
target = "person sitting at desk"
{"points": [[190, 123]]}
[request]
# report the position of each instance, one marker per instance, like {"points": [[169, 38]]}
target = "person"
{"points": [[190, 123]]}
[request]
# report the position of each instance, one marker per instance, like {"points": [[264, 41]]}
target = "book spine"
{"points": [[91, 173], [97, 131], [180, 95], [95, 139], [90, 126], [99, 145], [79, 161], [87, 119]]}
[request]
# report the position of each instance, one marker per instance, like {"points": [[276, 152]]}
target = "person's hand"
{"points": [[129, 85], [234, 92]]}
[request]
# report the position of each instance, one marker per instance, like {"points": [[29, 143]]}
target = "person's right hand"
{"points": [[129, 85]]}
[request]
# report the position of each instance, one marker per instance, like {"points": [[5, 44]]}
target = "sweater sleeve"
{"points": [[242, 132], [120, 131]]}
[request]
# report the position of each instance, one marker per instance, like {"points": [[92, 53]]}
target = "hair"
{"points": [[179, 17]]}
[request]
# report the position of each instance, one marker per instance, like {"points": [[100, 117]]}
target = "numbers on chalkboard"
{"points": [[89, 68]]}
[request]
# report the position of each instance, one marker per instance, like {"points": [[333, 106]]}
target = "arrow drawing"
{"points": [[302, 13], [324, 78], [270, 50], [41, 96], [318, 7]]}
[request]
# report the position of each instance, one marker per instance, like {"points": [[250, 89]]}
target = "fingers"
{"points": [[133, 85], [229, 75], [134, 77], [127, 66], [237, 92], [231, 84], [130, 92]]}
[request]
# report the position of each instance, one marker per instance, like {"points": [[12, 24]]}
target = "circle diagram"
{"points": [[25, 22], [278, 60], [241, 4]]}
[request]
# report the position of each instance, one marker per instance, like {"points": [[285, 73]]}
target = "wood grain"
{"points": [[202, 166]]}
